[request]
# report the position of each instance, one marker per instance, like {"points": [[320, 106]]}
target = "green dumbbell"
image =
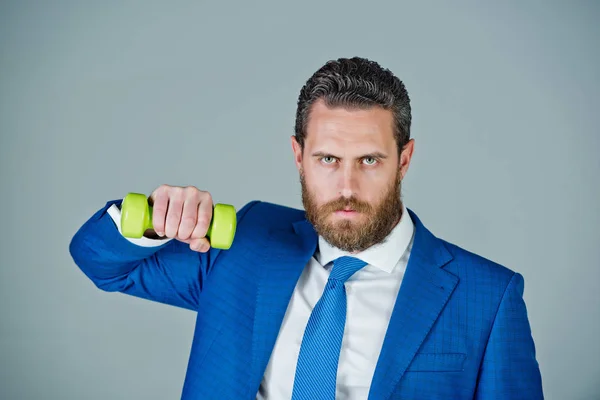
{"points": [[136, 218]]}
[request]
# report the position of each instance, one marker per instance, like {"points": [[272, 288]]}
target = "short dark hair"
{"points": [[356, 83]]}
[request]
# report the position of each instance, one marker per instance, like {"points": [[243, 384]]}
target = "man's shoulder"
{"points": [[469, 265], [466, 263], [270, 215]]}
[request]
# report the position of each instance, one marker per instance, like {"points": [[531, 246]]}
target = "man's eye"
{"points": [[370, 161], [328, 160]]}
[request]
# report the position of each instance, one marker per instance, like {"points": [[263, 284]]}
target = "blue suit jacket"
{"points": [[459, 329]]}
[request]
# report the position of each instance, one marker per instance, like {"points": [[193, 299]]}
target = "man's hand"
{"points": [[182, 213]]}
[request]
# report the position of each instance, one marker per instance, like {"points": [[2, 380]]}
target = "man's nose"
{"points": [[348, 184]]}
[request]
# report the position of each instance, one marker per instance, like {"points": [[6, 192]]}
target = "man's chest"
{"points": [[371, 295]]}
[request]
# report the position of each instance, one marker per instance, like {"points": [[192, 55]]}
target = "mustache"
{"points": [[343, 203]]}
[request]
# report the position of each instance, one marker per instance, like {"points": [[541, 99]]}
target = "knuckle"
{"points": [[194, 194], [174, 215], [162, 190], [204, 219], [201, 227], [196, 245], [158, 210], [177, 192], [200, 245], [188, 221]]}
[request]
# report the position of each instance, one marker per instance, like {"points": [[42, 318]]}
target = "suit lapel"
{"points": [[281, 267], [425, 289]]}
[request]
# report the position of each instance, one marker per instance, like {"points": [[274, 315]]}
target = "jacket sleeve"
{"points": [[509, 369], [168, 273]]}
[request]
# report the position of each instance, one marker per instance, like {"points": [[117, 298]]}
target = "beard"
{"points": [[355, 236]]}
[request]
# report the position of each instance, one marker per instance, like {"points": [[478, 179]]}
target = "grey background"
{"points": [[98, 99]]}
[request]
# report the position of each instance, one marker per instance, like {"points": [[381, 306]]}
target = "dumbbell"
{"points": [[136, 218]]}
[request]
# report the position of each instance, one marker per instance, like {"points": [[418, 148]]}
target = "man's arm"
{"points": [[165, 271], [509, 369]]}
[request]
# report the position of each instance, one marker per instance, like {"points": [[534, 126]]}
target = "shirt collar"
{"points": [[384, 255]]}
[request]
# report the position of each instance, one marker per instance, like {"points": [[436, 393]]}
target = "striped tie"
{"points": [[320, 350]]}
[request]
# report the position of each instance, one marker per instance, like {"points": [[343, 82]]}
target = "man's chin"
{"points": [[344, 223]]}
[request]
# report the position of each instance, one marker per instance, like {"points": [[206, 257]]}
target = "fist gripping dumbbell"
{"points": [[136, 218]]}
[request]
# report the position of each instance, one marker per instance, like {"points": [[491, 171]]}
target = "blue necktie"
{"points": [[317, 366]]}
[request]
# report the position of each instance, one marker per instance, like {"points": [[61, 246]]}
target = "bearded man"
{"points": [[350, 298]]}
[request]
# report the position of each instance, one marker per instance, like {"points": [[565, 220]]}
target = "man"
{"points": [[351, 298]]}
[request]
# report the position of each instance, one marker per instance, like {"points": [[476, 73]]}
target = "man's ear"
{"points": [[297, 149], [406, 156]]}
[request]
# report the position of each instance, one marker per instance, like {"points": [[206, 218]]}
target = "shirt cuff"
{"points": [[115, 214]]}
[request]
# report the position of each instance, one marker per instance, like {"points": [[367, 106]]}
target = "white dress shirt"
{"points": [[371, 294]]}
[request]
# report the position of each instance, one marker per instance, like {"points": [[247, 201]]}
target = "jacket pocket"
{"points": [[437, 362]]}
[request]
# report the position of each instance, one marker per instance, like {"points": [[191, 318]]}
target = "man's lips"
{"points": [[348, 211]]}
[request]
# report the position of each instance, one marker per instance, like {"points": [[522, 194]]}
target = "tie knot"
{"points": [[344, 267]]}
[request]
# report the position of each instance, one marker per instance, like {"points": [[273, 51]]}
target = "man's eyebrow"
{"points": [[376, 154]]}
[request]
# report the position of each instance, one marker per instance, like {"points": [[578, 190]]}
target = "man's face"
{"points": [[350, 175]]}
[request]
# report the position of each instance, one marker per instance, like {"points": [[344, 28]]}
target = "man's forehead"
{"points": [[361, 137], [347, 124]]}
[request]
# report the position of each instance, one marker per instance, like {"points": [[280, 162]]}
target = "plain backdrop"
{"points": [[98, 99]]}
